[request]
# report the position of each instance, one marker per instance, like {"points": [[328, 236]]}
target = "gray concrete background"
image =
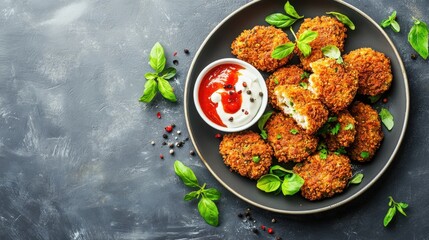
{"points": [[75, 155]]}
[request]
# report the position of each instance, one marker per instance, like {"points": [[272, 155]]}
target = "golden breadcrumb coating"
{"points": [[246, 153], [375, 73], [308, 112], [282, 76], [256, 45], [368, 132], [289, 141], [346, 134], [330, 32], [324, 177], [332, 84]]}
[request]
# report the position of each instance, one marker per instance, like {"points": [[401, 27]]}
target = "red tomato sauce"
{"points": [[224, 76]]}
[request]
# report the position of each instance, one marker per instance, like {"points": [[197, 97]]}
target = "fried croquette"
{"points": [[256, 45], [324, 177], [368, 132], [285, 75], [308, 112], [246, 153], [288, 140], [330, 32], [346, 133], [375, 73], [332, 84]]}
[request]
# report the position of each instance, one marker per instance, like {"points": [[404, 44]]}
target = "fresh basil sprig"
{"points": [[386, 118], [261, 124], [281, 20], [303, 43], [344, 19], [391, 21], [333, 51], [158, 80], [418, 38], [393, 208], [206, 205], [272, 182]]}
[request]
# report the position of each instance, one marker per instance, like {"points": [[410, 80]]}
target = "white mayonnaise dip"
{"points": [[250, 102]]}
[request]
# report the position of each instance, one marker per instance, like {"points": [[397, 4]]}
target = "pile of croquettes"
{"points": [[316, 108]]}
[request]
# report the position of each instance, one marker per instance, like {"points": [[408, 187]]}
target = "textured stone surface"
{"points": [[76, 160]]}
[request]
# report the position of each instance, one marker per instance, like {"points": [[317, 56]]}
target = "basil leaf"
{"points": [[150, 90], [279, 171], [166, 90], [168, 73], [304, 48], [307, 36], [403, 205], [344, 19], [389, 216], [280, 20], [332, 51], [151, 76], [208, 210], [374, 99], [186, 174], [390, 21], [385, 23], [157, 58], [289, 9], [191, 195], [418, 38], [356, 179], [399, 208], [261, 124], [386, 118], [292, 183], [211, 193], [283, 50], [395, 26], [268, 183]]}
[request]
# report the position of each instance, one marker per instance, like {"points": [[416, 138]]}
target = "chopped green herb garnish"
{"points": [[294, 131], [305, 75], [364, 154], [279, 136], [303, 85], [332, 119], [323, 153], [340, 151], [256, 159], [335, 129], [349, 126]]}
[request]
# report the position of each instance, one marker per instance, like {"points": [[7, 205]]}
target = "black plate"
{"points": [[217, 45]]}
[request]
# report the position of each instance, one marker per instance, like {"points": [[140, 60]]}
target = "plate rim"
{"points": [[332, 206]]}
